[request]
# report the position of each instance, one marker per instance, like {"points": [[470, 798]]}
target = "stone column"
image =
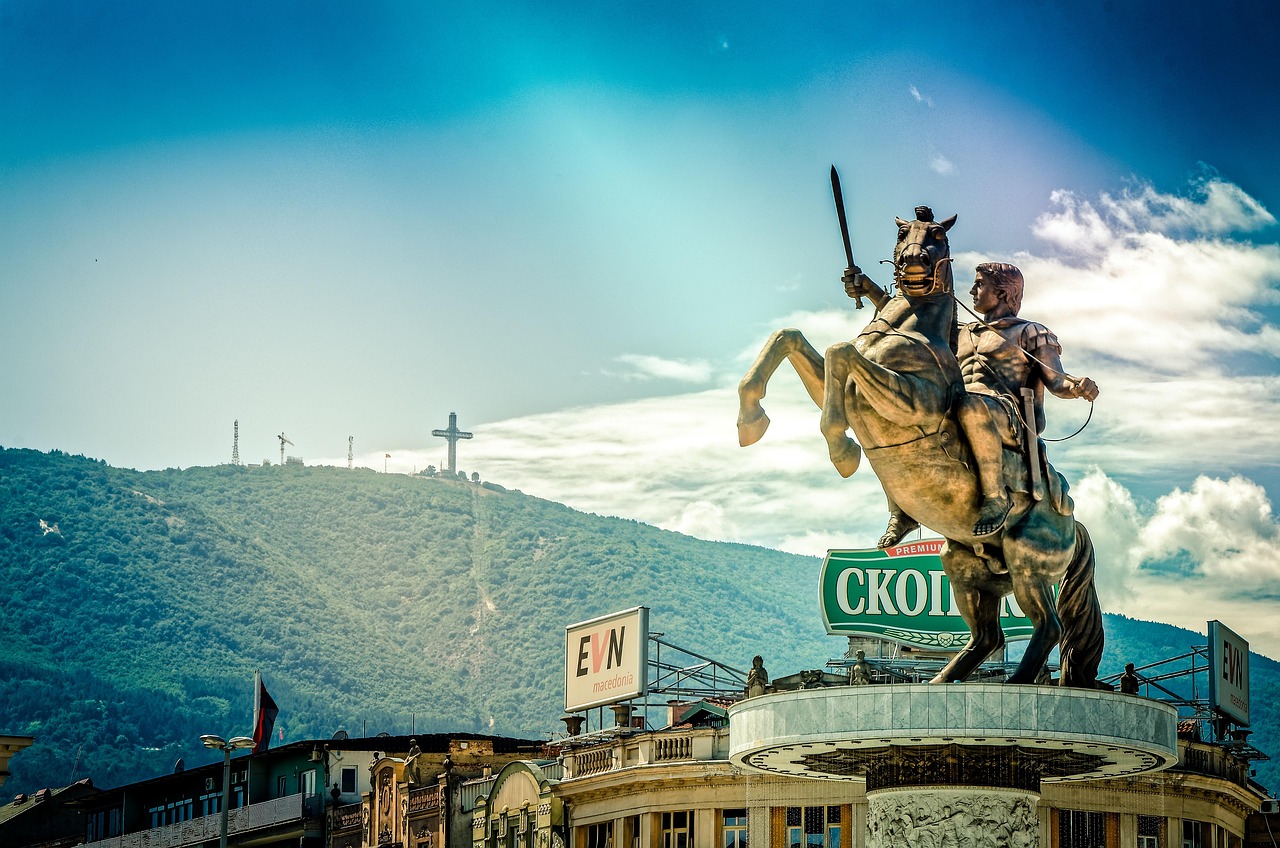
{"points": [[950, 817]]}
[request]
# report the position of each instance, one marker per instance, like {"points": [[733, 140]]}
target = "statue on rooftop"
{"points": [[757, 678]]}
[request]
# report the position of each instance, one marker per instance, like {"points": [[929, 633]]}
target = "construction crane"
{"points": [[283, 442]]}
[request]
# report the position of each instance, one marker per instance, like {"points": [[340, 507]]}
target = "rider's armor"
{"points": [[993, 363]]}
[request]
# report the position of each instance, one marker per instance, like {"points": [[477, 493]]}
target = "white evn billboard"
{"points": [[606, 659], [1228, 673]]}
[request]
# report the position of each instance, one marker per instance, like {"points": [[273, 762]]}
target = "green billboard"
{"points": [[901, 594]]}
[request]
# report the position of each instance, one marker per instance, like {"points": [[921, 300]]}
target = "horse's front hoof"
{"points": [[751, 429], [848, 458]]}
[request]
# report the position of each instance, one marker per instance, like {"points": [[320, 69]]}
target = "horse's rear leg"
{"points": [[844, 451], [1033, 552], [786, 344], [979, 605], [1035, 596]]}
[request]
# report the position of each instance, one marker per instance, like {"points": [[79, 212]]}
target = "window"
{"points": [[1077, 829], [600, 835], [677, 830], [1193, 833], [282, 786], [210, 803], [95, 826], [735, 829], [348, 780], [813, 827], [1149, 831]]}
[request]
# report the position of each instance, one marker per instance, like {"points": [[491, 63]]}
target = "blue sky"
{"points": [[574, 223]]}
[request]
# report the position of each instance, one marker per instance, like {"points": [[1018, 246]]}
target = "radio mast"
{"points": [[350, 443], [235, 444], [283, 442]]}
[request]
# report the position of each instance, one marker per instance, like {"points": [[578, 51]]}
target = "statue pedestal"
{"points": [[952, 759]]}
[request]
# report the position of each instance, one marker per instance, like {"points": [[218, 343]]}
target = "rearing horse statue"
{"points": [[897, 386]]}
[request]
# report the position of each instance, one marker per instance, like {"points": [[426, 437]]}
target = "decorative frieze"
{"points": [[949, 818]]}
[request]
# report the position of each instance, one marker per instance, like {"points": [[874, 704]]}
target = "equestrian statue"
{"points": [[955, 442]]}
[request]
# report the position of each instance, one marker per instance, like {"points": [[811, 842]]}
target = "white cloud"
{"points": [[1227, 528], [940, 164], [1212, 551], [920, 98], [1122, 286], [1210, 207], [645, 367]]}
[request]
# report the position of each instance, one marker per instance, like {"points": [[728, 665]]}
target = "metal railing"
{"points": [[291, 808]]}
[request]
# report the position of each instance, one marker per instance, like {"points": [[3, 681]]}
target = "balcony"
{"points": [[290, 810], [424, 800], [647, 749], [1212, 761]]}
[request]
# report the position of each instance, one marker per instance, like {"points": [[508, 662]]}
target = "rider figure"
{"points": [[999, 356]]}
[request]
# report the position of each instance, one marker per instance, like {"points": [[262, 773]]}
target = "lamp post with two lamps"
{"points": [[217, 743]]}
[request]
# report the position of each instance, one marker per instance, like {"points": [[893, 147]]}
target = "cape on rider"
{"points": [[1000, 356]]}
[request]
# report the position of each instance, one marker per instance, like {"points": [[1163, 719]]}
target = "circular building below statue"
{"points": [[947, 757]]}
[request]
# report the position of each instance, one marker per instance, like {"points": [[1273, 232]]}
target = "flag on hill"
{"points": [[264, 715]]}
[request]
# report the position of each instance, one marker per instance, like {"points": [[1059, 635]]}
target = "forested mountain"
{"points": [[137, 606]]}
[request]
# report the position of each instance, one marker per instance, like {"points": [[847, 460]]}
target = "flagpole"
{"points": [[257, 700]]}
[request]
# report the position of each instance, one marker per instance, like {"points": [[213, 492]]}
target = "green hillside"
{"points": [[139, 604]]}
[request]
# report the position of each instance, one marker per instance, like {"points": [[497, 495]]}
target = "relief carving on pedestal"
{"points": [[942, 819]]}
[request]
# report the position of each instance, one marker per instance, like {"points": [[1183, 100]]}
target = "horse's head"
{"points": [[922, 257]]}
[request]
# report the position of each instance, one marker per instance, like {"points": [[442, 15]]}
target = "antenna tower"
{"points": [[351, 440], [283, 442], [235, 444]]}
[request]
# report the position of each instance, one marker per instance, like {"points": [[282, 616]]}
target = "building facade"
{"points": [[676, 788], [389, 791]]}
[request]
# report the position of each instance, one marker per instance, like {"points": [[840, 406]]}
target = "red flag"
{"points": [[264, 715]]}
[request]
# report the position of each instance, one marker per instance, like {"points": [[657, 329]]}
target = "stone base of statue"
{"points": [[944, 764]]}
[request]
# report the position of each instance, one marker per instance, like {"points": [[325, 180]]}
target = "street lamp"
{"points": [[217, 743]]}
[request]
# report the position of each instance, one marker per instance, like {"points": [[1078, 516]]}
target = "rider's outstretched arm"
{"points": [[858, 284], [1059, 381]]}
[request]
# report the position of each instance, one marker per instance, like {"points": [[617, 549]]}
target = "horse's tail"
{"points": [[1081, 644]]}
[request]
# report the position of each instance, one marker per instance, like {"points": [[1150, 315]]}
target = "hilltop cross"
{"points": [[452, 434]]}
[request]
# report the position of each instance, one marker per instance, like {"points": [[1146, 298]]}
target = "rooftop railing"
{"points": [[646, 749], [289, 809]]}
